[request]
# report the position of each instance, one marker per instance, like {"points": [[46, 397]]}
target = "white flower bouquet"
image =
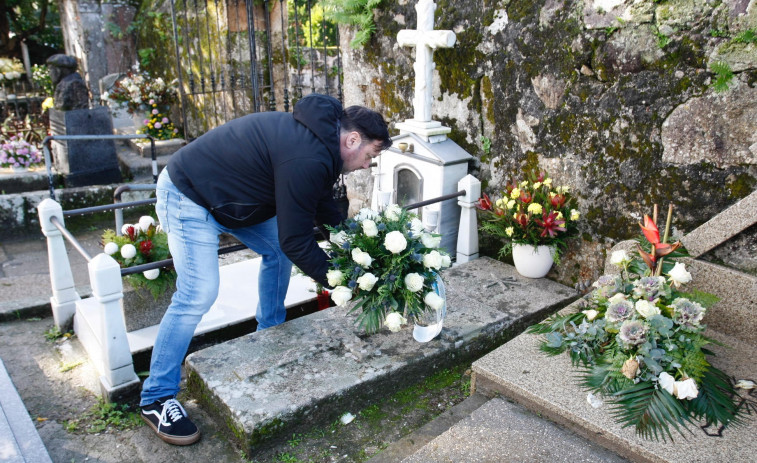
{"points": [[639, 341], [10, 69], [139, 91], [142, 243], [388, 264]]}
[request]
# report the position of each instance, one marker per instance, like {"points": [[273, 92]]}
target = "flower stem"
{"points": [[665, 237]]}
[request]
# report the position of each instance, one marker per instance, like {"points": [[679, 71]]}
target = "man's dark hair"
{"points": [[368, 123]]}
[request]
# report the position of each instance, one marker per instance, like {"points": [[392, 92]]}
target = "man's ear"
{"points": [[353, 139]]}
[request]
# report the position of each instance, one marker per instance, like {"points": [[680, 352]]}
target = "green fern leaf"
{"points": [[714, 403]]}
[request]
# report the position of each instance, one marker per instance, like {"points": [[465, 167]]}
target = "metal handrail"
{"points": [[117, 200], [438, 199], [71, 238], [48, 157]]}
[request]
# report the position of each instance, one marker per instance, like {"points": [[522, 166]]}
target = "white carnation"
{"points": [[395, 242], [394, 321], [151, 274], [361, 258], [367, 281], [433, 260], [369, 228], [335, 277], [128, 251], [110, 248], [431, 241], [433, 300], [341, 295], [413, 282]]}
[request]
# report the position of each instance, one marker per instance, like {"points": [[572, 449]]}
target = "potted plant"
{"points": [[141, 243], [18, 154], [388, 266], [535, 218]]}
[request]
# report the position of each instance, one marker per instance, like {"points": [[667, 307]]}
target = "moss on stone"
{"points": [[741, 186]]}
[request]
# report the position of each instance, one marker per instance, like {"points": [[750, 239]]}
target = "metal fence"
{"points": [[235, 57], [21, 111]]}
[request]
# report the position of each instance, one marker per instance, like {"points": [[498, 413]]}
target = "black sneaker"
{"points": [[169, 420]]}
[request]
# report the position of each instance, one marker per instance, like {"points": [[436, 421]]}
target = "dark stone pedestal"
{"points": [[84, 162]]}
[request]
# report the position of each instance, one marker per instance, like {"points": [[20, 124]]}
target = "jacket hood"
{"points": [[321, 114]]}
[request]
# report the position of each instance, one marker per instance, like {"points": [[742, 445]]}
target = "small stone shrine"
{"points": [[422, 162], [82, 162]]}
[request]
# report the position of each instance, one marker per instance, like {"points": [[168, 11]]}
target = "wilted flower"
{"points": [[667, 382], [632, 333], [630, 368], [686, 312]]}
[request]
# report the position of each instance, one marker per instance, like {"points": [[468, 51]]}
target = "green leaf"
{"points": [[715, 402], [651, 411]]}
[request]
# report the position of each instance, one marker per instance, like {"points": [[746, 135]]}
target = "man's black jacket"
{"points": [[270, 164]]}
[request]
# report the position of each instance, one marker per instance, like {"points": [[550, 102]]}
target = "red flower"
{"points": [[526, 197], [540, 177], [522, 220], [557, 201], [131, 232], [551, 224], [145, 247], [485, 204], [652, 234]]}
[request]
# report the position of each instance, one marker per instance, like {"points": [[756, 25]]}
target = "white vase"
{"points": [[533, 262]]}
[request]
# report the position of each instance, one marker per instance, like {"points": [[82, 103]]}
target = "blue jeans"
{"points": [[193, 241]]}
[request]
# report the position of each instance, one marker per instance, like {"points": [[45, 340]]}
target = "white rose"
{"points": [[646, 309], [433, 300], [392, 212], [128, 251], [361, 258], [619, 258], [367, 281], [413, 282], [667, 382], [394, 321], [335, 277], [369, 228], [110, 248], [433, 260], [395, 242], [341, 295], [686, 389], [591, 314], [617, 298], [151, 274], [416, 226], [431, 241], [678, 275], [145, 222], [446, 261], [338, 238]]}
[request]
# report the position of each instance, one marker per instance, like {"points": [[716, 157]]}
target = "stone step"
{"points": [[504, 432], [311, 370], [19, 440], [548, 386]]}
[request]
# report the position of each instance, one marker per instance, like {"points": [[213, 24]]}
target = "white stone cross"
{"points": [[425, 40]]}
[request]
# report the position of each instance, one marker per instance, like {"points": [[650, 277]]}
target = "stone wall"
{"points": [[612, 97]]}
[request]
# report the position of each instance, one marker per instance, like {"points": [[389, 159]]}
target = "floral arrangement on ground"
{"points": [[16, 152], [388, 264], [531, 212], [142, 243], [639, 342], [158, 125], [135, 91]]}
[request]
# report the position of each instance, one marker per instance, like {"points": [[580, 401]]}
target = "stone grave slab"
{"points": [[549, 386], [315, 368]]}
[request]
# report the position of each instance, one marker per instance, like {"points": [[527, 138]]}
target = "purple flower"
{"points": [[619, 311], [687, 313], [155, 111], [632, 333], [165, 120], [649, 288], [158, 125]]}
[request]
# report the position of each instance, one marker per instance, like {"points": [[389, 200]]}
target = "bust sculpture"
{"points": [[70, 89]]}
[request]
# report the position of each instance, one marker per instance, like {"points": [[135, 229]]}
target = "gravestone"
{"points": [[82, 162], [422, 162]]}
